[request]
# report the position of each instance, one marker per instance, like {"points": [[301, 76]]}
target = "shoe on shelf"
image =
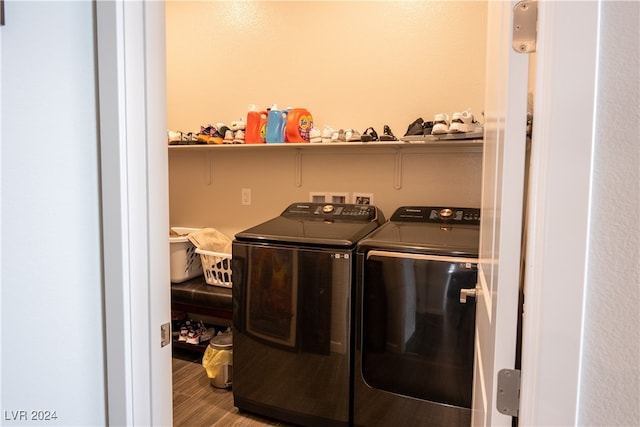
{"points": [[470, 124], [456, 123], [207, 130], [369, 134], [427, 127], [338, 136], [238, 137], [387, 135], [188, 138], [415, 128], [215, 137], [222, 129], [352, 135], [174, 137], [315, 135], [327, 132], [464, 122], [440, 124], [237, 125], [228, 137]]}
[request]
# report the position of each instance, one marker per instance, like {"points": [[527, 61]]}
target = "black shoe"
{"points": [[387, 134], [415, 128], [426, 128], [369, 135]]}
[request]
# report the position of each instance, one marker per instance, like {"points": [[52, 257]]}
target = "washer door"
{"points": [[417, 338]]}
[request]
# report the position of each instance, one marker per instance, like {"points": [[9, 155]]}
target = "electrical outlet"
{"points": [[245, 196], [363, 198]]}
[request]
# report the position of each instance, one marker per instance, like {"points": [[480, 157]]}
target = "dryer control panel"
{"points": [[437, 214], [335, 212]]}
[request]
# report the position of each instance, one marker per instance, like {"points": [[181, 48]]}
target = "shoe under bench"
{"points": [[195, 296]]}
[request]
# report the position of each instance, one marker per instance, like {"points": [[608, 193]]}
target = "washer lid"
{"points": [[318, 224]]}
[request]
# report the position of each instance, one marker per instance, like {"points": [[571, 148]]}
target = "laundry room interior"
{"points": [[351, 65]]}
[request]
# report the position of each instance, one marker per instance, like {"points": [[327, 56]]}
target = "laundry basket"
{"points": [[216, 267], [185, 263]]}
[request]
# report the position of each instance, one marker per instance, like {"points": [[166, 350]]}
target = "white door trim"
{"points": [[558, 214], [132, 101]]}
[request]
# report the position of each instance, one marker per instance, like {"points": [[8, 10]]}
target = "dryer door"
{"points": [[417, 338]]}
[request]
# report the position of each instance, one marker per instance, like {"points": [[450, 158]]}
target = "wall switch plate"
{"points": [[339, 198], [245, 196]]}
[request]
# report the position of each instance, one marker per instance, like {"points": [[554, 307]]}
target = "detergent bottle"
{"points": [[299, 124], [276, 122], [256, 120]]}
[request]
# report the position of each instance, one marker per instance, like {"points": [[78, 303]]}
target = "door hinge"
{"points": [[508, 398], [525, 23]]}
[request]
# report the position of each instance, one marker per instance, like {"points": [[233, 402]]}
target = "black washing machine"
{"points": [[414, 346], [292, 305]]}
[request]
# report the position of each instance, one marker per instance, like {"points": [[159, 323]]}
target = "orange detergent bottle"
{"points": [[299, 124], [256, 126]]}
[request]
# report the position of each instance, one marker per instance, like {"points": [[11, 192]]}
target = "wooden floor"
{"points": [[197, 404]]}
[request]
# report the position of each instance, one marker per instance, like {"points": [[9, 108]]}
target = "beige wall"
{"points": [[352, 64], [205, 186]]}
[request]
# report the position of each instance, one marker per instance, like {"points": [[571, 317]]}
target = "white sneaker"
{"points": [[352, 135], [237, 125], [228, 137], [327, 133], [464, 122], [338, 136], [315, 135], [174, 137], [238, 137], [470, 124], [440, 124]]}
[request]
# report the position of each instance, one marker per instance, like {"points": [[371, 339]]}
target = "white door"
{"points": [[502, 212], [135, 210]]}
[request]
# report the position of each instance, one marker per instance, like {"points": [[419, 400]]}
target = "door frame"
{"points": [[550, 362], [559, 192], [135, 210]]}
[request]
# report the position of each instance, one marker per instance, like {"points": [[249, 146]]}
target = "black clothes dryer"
{"points": [[292, 305], [414, 346]]}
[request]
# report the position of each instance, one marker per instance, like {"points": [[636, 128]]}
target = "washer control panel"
{"points": [[326, 211], [437, 214]]}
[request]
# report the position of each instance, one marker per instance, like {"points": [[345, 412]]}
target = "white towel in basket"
{"points": [[210, 239]]}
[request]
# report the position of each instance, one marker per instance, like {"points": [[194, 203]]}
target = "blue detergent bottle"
{"points": [[276, 123]]}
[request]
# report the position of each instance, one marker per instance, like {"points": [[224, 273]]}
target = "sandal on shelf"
{"points": [[387, 135], [369, 135]]}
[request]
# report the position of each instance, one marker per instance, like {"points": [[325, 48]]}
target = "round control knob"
{"points": [[327, 208], [446, 213]]}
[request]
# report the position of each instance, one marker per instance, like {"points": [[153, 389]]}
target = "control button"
{"points": [[446, 213], [327, 208]]}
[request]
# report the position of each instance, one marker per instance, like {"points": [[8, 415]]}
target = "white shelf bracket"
{"points": [[297, 180], [397, 182], [208, 160]]}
